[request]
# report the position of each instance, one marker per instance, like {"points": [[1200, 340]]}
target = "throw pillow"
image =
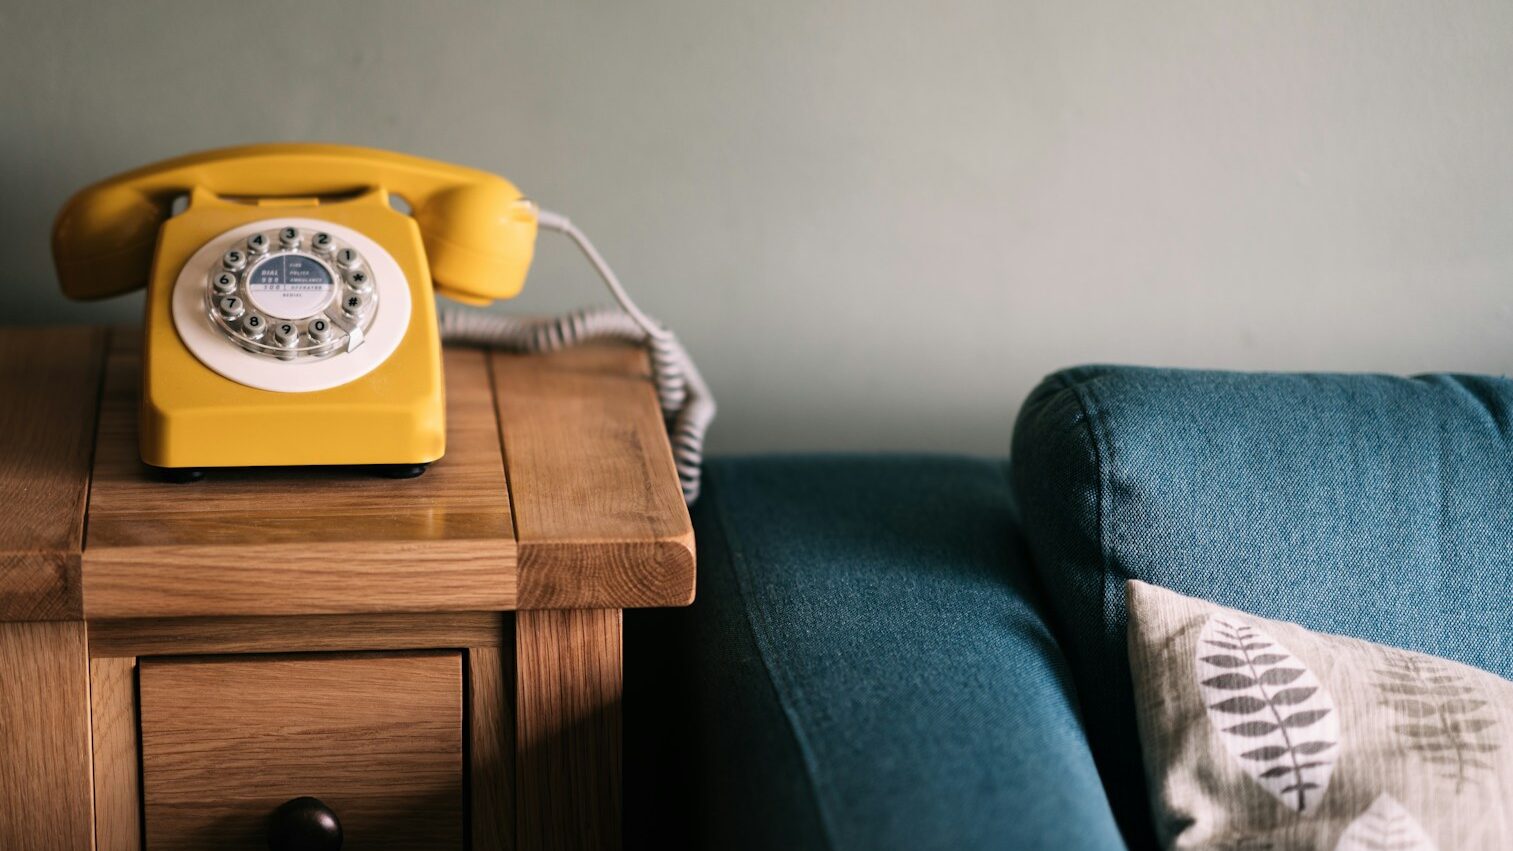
{"points": [[1262, 734]]}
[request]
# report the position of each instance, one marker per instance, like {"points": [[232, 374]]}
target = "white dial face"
{"points": [[290, 286], [291, 305], [291, 292]]}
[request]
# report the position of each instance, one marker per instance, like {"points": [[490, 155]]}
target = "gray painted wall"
{"points": [[876, 224]]}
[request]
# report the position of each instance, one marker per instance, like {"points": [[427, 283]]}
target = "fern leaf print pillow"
{"points": [[1262, 734]]}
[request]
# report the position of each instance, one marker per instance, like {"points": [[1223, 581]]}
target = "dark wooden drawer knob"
{"points": [[304, 824]]}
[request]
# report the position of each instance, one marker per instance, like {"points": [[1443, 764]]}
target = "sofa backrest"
{"points": [[1365, 505]]}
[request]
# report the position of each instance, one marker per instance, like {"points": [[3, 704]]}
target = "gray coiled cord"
{"points": [[686, 402]]}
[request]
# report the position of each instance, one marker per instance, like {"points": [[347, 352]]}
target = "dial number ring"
{"points": [[295, 289]]}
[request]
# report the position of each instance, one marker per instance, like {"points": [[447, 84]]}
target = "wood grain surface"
{"points": [[295, 634], [310, 560], [45, 795], [49, 391], [569, 685], [599, 515], [377, 737], [300, 540], [491, 745], [118, 797]]}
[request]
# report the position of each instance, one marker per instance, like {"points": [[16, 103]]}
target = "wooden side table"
{"points": [[437, 661]]}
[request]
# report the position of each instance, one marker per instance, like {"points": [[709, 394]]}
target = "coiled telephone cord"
{"points": [[687, 405]]}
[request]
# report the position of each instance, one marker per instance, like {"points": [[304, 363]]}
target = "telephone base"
{"points": [[175, 475], [188, 475], [400, 471]]}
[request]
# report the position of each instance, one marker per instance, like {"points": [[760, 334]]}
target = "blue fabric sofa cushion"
{"points": [[867, 666], [1365, 505]]}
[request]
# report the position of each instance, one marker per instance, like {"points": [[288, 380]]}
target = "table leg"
{"points": [[118, 800], [568, 729], [45, 792]]}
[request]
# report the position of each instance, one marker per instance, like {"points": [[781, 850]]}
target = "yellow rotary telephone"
{"points": [[289, 313]]}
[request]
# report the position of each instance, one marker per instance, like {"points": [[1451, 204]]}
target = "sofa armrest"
{"points": [[867, 666]]}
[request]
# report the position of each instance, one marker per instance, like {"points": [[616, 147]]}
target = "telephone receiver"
{"points": [[478, 230]]}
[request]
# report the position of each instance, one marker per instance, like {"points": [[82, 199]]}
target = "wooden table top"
{"points": [[557, 491]]}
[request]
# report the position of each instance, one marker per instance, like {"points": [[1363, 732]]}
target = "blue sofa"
{"points": [[928, 652]]}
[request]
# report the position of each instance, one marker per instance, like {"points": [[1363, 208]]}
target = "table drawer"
{"points": [[377, 737]]}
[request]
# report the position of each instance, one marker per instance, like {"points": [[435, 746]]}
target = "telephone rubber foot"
{"points": [[176, 475], [400, 471]]}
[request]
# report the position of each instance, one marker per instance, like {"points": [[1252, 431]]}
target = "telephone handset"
{"points": [[478, 230], [289, 317]]}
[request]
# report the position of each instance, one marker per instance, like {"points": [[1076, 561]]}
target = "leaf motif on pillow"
{"points": [[1271, 712], [1440, 713], [1385, 825]]}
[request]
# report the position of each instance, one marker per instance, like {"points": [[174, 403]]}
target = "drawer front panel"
{"points": [[376, 737]]}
